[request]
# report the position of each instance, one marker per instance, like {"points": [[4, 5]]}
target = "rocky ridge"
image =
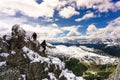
{"points": [[116, 74], [21, 59]]}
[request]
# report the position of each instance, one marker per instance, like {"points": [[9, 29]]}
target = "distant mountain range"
{"points": [[113, 41], [112, 49]]}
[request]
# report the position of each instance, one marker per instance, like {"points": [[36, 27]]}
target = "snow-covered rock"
{"points": [[3, 63], [67, 73], [4, 54], [83, 55]]}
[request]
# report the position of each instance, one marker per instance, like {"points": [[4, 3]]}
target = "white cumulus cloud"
{"points": [[67, 12], [100, 5], [112, 30], [72, 31], [91, 29], [29, 8]]}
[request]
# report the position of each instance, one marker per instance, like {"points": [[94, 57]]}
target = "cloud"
{"points": [[91, 29], [44, 31], [86, 16], [49, 31], [47, 8], [72, 31], [12, 20], [84, 3], [115, 22], [29, 8], [112, 30], [67, 12], [104, 6], [65, 9], [4, 29], [25, 7], [116, 6], [99, 5]]}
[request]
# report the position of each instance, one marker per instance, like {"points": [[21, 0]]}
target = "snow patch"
{"points": [[58, 62], [3, 63], [69, 75], [35, 57], [13, 52], [46, 69], [24, 77], [52, 76], [4, 54], [86, 48], [80, 54]]}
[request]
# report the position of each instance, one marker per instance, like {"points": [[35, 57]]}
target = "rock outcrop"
{"points": [[116, 74], [22, 59]]}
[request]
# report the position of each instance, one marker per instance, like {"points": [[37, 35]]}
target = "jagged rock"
{"points": [[4, 46], [18, 36], [17, 59], [24, 60], [2, 58], [9, 73], [116, 74], [33, 45], [18, 31], [36, 71]]}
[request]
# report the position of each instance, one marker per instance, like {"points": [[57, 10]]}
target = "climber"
{"points": [[34, 36], [43, 44]]}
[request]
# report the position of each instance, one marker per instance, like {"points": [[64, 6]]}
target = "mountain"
{"points": [[105, 49], [87, 40], [22, 59], [90, 63], [81, 53]]}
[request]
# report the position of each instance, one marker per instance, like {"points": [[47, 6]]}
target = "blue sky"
{"points": [[67, 18]]}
